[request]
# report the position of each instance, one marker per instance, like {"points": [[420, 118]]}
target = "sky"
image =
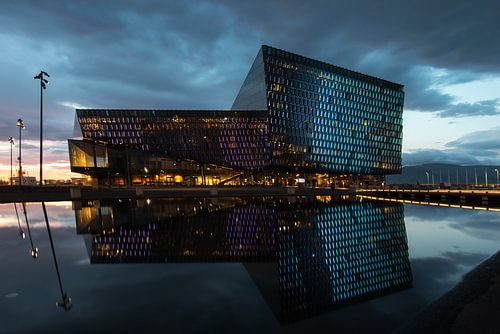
{"points": [[196, 54]]}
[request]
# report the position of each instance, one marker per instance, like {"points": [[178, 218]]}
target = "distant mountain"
{"points": [[440, 172]]}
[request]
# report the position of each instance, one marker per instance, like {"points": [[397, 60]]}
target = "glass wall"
{"points": [[317, 118], [331, 119]]}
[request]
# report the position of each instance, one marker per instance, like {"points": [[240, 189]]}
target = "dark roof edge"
{"points": [[337, 68], [168, 110]]}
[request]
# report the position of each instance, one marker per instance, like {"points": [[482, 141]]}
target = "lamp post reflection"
{"points": [[34, 250], [65, 302], [21, 232]]}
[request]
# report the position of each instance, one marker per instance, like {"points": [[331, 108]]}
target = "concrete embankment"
{"points": [[48, 194]]}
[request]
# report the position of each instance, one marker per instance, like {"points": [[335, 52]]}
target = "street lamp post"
{"points": [[20, 125], [466, 178], [43, 86], [496, 171], [11, 141], [427, 173]]}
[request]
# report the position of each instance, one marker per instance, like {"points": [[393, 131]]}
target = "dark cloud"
{"points": [[479, 147], [481, 108], [422, 44], [479, 140], [487, 228], [166, 54], [428, 156]]}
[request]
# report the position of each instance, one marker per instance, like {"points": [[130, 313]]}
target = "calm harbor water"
{"points": [[236, 265]]}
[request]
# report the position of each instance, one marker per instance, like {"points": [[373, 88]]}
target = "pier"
{"points": [[462, 198]]}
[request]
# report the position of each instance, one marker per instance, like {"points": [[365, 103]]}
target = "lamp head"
{"points": [[34, 253], [66, 303], [20, 123]]}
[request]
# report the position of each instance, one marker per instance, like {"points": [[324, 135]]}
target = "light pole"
{"points": [[427, 173], [466, 178], [486, 176], [11, 141], [20, 125], [43, 86], [496, 171]]}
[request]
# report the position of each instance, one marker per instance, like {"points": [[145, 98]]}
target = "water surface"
{"points": [[213, 265]]}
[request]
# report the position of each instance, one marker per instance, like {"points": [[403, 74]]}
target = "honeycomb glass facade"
{"points": [[292, 114], [331, 119], [312, 255]]}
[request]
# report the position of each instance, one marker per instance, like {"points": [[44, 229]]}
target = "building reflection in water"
{"points": [[306, 255]]}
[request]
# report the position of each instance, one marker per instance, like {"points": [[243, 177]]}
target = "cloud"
{"points": [[479, 140], [170, 54], [161, 54], [425, 46], [487, 228], [481, 108], [479, 147], [429, 156]]}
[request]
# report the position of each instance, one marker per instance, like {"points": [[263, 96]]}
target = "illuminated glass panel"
{"points": [[326, 118]]}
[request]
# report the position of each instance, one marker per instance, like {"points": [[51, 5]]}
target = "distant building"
{"points": [[295, 120], [80, 181], [26, 181], [55, 182]]}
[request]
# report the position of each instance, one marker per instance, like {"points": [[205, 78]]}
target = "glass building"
{"points": [[305, 257], [294, 120]]}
